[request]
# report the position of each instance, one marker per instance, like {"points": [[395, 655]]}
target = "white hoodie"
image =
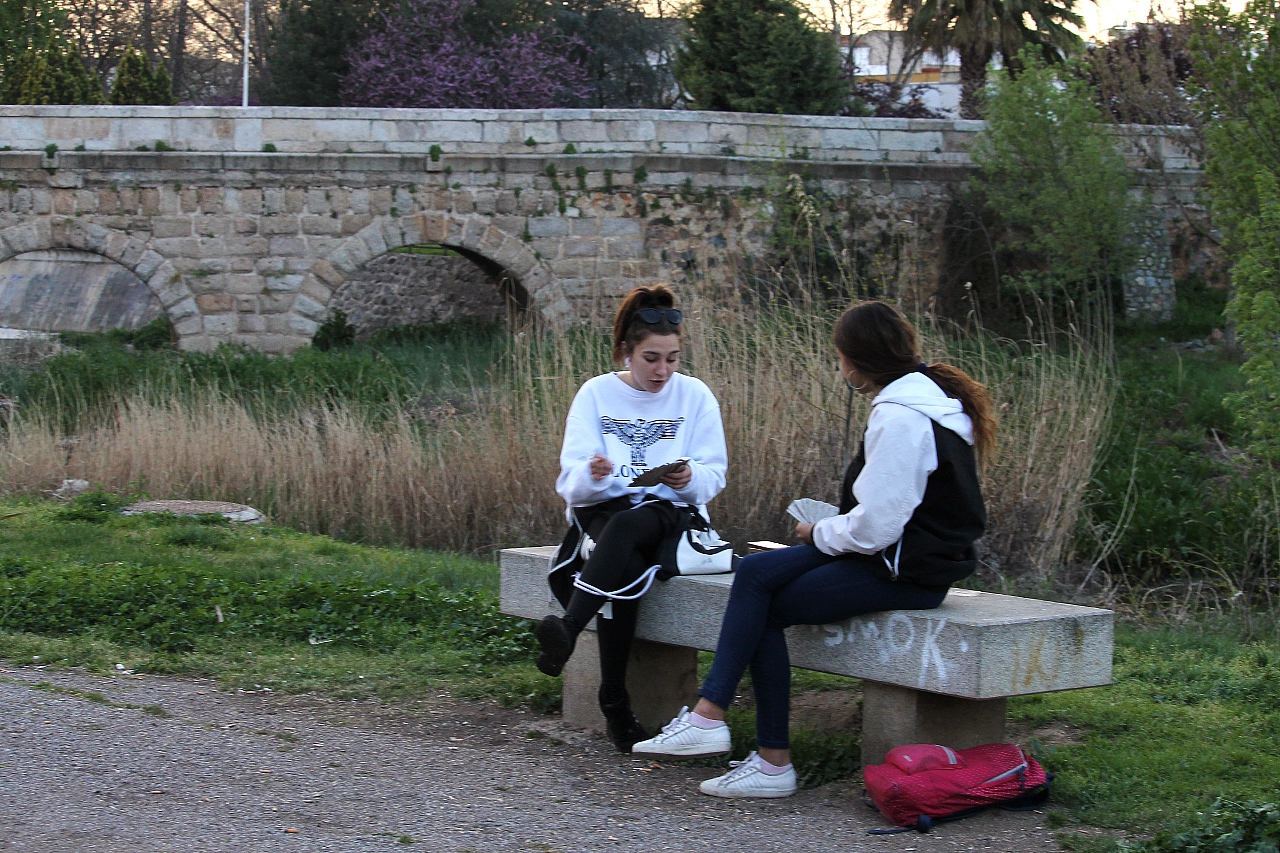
{"points": [[638, 430], [900, 455]]}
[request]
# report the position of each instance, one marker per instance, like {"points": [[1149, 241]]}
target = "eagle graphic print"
{"points": [[640, 434]]}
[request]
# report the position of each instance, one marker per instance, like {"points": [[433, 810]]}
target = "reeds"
{"points": [[480, 476]]}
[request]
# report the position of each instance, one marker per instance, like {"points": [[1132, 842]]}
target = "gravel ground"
{"points": [[147, 764]]}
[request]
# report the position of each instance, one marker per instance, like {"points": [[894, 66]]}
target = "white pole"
{"points": [[244, 97]]}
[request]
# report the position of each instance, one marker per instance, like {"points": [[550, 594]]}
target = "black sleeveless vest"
{"points": [[936, 548]]}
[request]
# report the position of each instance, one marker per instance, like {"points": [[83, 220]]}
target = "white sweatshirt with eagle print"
{"points": [[638, 430]]}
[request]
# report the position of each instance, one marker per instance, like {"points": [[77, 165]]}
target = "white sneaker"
{"points": [[748, 779], [681, 738]]}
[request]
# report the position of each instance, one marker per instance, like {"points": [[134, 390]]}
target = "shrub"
{"points": [[1237, 67], [137, 84], [56, 75], [1255, 307], [759, 56], [423, 55], [1053, 174], [1227, 828], [334, 332]]}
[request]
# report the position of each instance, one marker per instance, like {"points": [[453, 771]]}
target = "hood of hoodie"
{"points": [[919, 392]]}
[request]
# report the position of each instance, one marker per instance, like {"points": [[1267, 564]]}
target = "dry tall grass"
{"points": [[481, 479]]}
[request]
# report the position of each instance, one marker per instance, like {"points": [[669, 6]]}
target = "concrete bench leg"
{"points": [[893, 716], [660, 679]]}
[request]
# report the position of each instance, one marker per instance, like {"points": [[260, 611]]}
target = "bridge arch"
{"points": [[475, 236], [132, 253]]}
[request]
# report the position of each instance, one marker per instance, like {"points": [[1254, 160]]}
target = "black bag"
{"points": [[693, 547]]}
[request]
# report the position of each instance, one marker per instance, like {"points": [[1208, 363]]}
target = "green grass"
{"points": [[1193, 715], [406, 367], [42, 532], [1173, 475], [82, 585]]}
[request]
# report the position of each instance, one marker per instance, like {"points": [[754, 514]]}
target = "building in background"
{"points": [[886, 56]]}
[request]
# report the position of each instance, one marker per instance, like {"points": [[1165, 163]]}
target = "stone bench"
{"points": [[929, 676]]}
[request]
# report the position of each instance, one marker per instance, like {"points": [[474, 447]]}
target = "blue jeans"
{"points": [[793, 586]]}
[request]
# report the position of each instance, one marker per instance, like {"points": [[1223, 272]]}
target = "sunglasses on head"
{"points": [[655, 315]]}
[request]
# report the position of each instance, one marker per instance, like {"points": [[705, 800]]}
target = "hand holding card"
{"points": [[654, 476], [809, 511]]}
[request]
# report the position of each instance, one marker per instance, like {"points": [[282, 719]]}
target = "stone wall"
{"points": [[317, 130], [250, 246], [400, 289], [1149, 291]]}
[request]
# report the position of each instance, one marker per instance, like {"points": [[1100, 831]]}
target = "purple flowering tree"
{"points": [[423, 56]]}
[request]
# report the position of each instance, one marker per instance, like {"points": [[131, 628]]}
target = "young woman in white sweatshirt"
{"points": [[620, 425], [910, 511]]}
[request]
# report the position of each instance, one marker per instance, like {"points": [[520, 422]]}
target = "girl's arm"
{"points": [[901, 455], [582, 442], [708, 457]]}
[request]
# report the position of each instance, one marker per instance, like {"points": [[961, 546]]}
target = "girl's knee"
{"points": [[618, 528], [752, 570], [768, 569]]}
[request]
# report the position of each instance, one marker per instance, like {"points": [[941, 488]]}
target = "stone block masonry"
{"points": [[417, 290], [249, 246]]}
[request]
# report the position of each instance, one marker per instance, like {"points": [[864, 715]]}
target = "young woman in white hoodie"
{"points": [[621, 425], [911, 509]]}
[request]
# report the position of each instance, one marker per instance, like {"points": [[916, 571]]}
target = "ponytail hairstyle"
{"points": [[883, 345], [629, 330]]}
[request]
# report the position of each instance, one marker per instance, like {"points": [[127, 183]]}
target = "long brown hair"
{"points": [[629, 330], [883, 345]]}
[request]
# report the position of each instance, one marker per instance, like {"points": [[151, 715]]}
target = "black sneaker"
{"points": [[624, 729], [557, 642]]}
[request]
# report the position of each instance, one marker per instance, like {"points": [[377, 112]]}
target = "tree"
{"points": [[979, 30], [25, 26], [627, 56], [424, 56], [1237, 77], [1141, 75], [55, 75], [311, 47], [161, 91], [759, 56], [1255, 308], [1053, 174], [37, 65], [138, 85]]}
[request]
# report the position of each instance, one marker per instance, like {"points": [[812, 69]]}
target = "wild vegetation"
{"points": [[385, 444]]}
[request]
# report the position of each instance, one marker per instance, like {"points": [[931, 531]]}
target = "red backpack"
{"points": [[920, 784]]}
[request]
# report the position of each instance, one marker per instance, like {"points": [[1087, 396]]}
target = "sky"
{"points": [[1098, 16], [1101, 16]]}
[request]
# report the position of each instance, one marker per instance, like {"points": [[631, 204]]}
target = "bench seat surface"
{"points": [[977, 645]]}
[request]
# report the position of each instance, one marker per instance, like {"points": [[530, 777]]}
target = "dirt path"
{"points": [[263, 772]]}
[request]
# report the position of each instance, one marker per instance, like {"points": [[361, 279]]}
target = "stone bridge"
{"points": [[244, 222]]}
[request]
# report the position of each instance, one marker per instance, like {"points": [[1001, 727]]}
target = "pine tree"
{"points": [[137, 85], [162, 87], [759, 56], [54, 76], [26, 27], [309, 49]]}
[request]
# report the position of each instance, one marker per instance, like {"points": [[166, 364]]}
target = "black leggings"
{"points": [[626, 547]]}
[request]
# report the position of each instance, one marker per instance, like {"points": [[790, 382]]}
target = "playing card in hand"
{"points": [[808, 511]]}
